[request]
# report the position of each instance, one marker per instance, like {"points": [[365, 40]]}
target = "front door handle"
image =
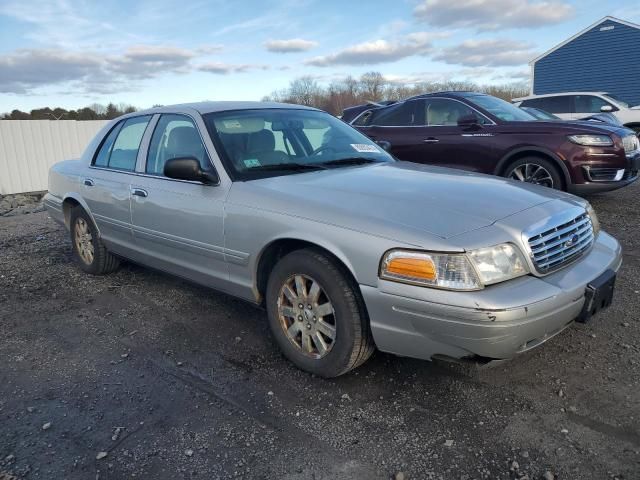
{"points": [[139, 192], [88, 182], [431, 140]]}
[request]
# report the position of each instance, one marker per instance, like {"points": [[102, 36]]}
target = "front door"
{"points": [[178, 225]]}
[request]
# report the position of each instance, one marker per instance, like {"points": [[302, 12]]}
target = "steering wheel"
{"points": [[322, 148]]}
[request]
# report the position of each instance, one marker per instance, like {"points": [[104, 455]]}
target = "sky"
{"points": [[72, 53]]}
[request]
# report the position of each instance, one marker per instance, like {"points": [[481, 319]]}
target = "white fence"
{"points": [[29, 147]]}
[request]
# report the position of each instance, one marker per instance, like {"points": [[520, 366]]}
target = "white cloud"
{"points": [[487, 53], [492, 14], [220, 68], [378, 51], [291, 45]]}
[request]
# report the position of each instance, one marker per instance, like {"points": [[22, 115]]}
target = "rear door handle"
{"points": [[431, 140], [88, 182], [139, 192]]}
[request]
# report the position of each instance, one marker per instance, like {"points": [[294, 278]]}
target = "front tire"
{"points": [[317, 315], [88, 250], [536, 170]]}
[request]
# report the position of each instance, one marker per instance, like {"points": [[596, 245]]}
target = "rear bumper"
{"points": [[54, 208], [498, 322]]}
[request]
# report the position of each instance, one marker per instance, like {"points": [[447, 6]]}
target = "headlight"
{"points": [[631, 144], [594, 219], [457, 271], [499, 263], [592, 140]]}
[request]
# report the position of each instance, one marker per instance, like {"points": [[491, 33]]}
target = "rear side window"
{"points": [[560, 104], [120, 149], [401, 115]]}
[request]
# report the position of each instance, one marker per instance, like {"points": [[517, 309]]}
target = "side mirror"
{"points": [[468, 121], [606, 108], [386, 146], [188, 168]]}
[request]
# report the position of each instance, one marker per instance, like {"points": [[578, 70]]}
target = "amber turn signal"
{"points": [[422, 268]]}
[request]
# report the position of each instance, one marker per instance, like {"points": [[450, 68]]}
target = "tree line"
{"points": [[95, 111], [373, 86]]}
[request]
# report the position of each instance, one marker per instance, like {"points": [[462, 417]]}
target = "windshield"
{"points": [[267, 142], [501, 109], [615, 99]]}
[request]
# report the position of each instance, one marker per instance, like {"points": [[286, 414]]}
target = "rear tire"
{"points": [[317, 315], [536, 170], [88, 250]]}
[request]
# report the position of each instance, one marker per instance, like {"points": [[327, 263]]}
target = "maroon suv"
{"points": [[481, 133]]}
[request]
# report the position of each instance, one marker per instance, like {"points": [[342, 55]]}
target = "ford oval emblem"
{"points": [[572, 241]]}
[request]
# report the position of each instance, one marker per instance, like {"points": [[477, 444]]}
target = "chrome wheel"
{"points": [[532, 173], [84, 241], [307, 316]]}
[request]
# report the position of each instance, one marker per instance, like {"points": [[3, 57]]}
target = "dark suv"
{"points": [[481, 133]]}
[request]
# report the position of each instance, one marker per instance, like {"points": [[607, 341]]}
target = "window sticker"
{"points": [[364, 148], [251, 162]]}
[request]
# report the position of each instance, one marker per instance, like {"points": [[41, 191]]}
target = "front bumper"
{"points": [[630, 176], [497, 323]]}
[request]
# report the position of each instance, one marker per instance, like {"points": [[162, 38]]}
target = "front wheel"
{"points": [[538, 171], [317, 315]]}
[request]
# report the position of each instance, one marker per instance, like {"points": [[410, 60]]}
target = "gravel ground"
{"points": [[141, 375]]}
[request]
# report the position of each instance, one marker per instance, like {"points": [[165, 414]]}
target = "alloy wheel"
{"points": [[532, 173], [307, 316], [84, 241]]}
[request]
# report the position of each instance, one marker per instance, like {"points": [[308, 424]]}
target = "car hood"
{"points": [[398, 200], [570, 127]]}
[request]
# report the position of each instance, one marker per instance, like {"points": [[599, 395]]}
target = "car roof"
{"points": [[451, 93], [529, 97], [222, 106]]}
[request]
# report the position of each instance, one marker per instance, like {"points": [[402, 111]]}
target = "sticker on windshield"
{"points": [[364, 148], [251, 162], [230, 124]]}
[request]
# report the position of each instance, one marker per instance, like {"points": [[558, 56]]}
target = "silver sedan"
{"points": [[347, 249]]}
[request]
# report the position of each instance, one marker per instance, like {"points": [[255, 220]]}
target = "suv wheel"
{"points": [[88, 249], [316, 314], [535, 170]]}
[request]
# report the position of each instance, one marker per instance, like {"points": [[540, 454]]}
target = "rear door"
{"points": [[397, 125], [106, 188], [560, 105], [178, 224]]}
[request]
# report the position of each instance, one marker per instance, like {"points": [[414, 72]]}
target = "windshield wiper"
{"points": [[350, 161], [288, 166]]}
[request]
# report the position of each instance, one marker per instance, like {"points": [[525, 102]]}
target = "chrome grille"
{"points": [[555, 247]]}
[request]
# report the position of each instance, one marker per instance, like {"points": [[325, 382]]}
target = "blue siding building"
{"points": [[604, 57]]}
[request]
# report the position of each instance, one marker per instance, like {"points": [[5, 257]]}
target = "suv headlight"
{"points": [[454, 271], [595, 222], [592, 140], [631, 144]]}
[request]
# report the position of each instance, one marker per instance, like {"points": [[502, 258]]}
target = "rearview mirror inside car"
{"points": [[188, 168]]}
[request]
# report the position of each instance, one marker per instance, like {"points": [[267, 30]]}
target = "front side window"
{"points": [[269, 142], [589, 104], [119, 150], [442, 112], [175, 136]]}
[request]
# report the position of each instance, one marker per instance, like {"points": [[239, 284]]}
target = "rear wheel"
{"points": [[89, 251], [316, 314], [536, 170]]}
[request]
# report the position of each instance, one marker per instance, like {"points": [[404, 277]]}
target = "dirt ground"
{"points": [[140, 375]]}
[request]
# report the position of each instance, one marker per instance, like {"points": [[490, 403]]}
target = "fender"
{"points": [[534, 149], [78, 198]]}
